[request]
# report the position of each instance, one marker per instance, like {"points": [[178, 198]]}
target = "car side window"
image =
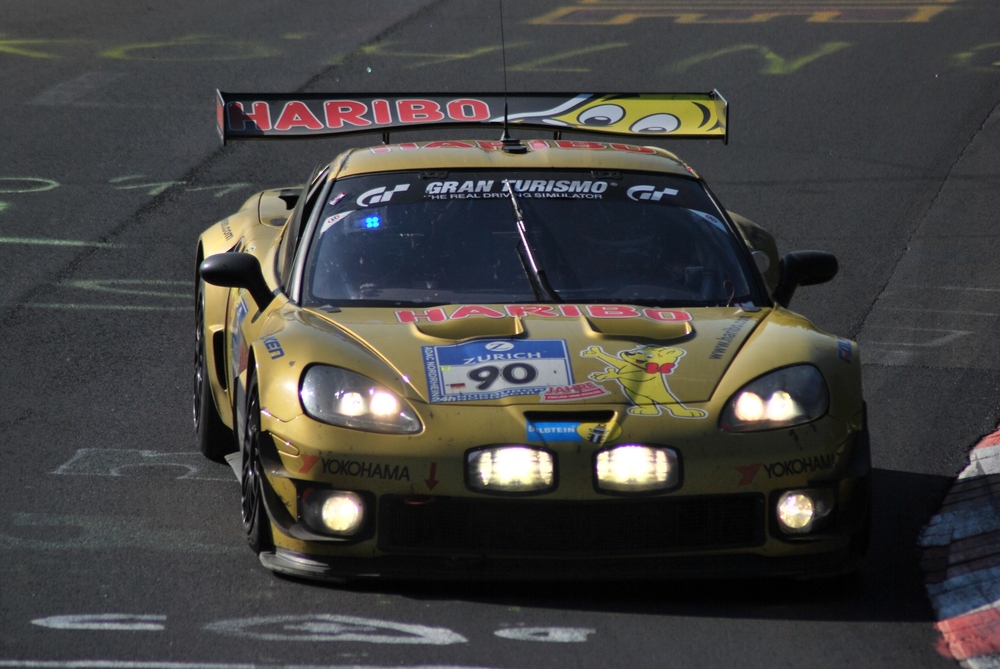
{"points": [[296, 224]]}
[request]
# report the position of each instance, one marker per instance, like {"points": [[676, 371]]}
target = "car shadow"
{"points": [[888, 587]]}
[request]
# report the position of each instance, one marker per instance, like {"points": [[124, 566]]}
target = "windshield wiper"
{"points": [[536, 276]]}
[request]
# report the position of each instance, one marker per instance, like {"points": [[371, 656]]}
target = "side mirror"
{"points": [[803, 268], [237, 270]]}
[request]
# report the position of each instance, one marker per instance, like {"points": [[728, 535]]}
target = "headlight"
{"points": [[789, 396], [343, 398]]}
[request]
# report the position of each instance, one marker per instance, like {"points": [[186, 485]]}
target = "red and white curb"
{"points": [[961, 560]]}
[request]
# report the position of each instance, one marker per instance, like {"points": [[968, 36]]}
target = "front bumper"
{"points": [[416, 547], [660, 537], [398, 567]]}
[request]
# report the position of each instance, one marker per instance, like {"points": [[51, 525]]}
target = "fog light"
{"points": [[333, 511], [634, 468], [510, 469], [799, 510]]}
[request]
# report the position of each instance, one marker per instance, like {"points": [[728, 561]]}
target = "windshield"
{"points": [[451, 238]]}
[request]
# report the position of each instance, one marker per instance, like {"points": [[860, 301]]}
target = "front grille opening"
{"points": [[460, 525], [570, 416]]}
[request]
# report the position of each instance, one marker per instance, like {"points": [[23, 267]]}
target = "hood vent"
{"points": [[473, 328], [631, 328]]}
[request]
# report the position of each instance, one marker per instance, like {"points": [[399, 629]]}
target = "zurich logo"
{"points": [[499, 346]]}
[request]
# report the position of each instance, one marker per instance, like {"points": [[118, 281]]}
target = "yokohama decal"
{"points": [[781, 469]]}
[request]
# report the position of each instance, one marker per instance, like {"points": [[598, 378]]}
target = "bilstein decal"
{"points": [[567, 431], [783, 468], [642, 373]]}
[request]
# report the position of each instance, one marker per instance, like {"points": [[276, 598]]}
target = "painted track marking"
{"points": [[125, 664], [323, 627], [116, 622]]}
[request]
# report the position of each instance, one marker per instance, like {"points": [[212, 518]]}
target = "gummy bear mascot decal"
{"points": [[642, 373]]}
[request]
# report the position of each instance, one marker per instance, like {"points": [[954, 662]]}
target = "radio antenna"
{"points": [[510, 145], [503, 53]]}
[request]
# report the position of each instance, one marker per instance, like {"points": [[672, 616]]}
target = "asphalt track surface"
{"points": [[860, 128]]}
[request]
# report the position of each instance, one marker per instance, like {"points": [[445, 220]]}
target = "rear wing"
{"points": [[301, 115]]}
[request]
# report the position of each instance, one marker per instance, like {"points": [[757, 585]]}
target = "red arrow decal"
{"points": [[308, 462], [431, 481], [747, 473]]}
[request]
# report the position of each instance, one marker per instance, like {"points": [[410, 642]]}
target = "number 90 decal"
{"points": [[489, 370], [516, 374]]}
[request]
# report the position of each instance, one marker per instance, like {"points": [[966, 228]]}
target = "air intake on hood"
{"points": [[473, 328], [640, 327]]}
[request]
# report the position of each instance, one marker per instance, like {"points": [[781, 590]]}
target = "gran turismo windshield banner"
{"points": [[354, 193], [424, 239], [298, 115]]}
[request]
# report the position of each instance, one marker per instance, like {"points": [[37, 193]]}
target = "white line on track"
{"points": [[964, 288], [125, 664], [552, 634], [35, 241], [325, 627], [113, 307], [118, 622], [943, 311]]}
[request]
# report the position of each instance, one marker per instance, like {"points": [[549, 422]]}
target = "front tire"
{"points": [[215, 440], [256, 524]]}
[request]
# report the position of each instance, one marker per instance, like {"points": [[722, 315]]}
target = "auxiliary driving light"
{"points": [[510, 469], [333, 511], [635, 468], [799, 510]]}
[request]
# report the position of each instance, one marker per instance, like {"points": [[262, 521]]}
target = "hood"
{"points": [[532, 354]]}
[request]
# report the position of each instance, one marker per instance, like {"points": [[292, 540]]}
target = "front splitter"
{"points": [[405, 567]]}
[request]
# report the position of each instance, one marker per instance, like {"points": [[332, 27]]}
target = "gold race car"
{"points": [[521, 359]]}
